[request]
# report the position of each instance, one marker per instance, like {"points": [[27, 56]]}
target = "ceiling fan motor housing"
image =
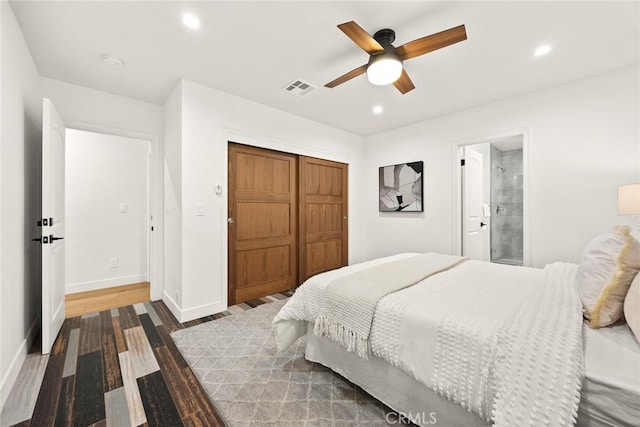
{"points": [[385, 37]]}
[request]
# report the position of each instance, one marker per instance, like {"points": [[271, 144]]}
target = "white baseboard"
{"points": [[16, 362], [72, 288], [194, 312]]}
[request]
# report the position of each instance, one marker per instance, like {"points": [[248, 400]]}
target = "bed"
{"points": [[429, 360]]}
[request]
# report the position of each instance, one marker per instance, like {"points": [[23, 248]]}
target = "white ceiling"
{"points": [[254, 49]]}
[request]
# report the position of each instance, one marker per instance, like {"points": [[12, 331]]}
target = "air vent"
{"points": [[299, 87]]}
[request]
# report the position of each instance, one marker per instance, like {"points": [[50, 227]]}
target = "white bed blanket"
{"points": [[504, 342], [347, 311]]}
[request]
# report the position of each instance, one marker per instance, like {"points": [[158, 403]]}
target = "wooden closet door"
{"points": [[323, 216], [262, 222]]}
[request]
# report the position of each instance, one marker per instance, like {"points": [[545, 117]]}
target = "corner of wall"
{"points": [[172, 204], [21, 118]]}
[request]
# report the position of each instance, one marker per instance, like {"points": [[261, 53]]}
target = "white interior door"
{"points": [[53, 131], [472, 198]]}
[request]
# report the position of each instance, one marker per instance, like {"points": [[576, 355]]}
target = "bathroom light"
{"points": [[384, 68], [191, 21], [377, 109], [542, 50]]}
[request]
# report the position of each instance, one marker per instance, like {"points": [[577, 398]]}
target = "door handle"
{"points": [[230, 220]]}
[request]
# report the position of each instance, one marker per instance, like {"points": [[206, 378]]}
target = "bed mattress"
{"points": [[610, 395]]}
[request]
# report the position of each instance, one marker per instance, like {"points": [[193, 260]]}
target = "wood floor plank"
{"points": [[121, 343], [106, 326], [44, 413], [74, 322], [158, 405], [200, 395], [150, 330], [234, 309], [254, 302], [167, 318], [171, 346], [64, 414], [71, 356], [101, 423], [142, 357], [60, 344], [132, 392], [193, 322], [22, 399], [116, 408], [89, 335], [172, 374], [128, 317], [89, 390], [140, 308], [112, 377], [152, 314]]}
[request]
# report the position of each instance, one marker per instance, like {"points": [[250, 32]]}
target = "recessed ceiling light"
{"points": [[377, 109], [191, 21], [542, 50], [112, 61]]}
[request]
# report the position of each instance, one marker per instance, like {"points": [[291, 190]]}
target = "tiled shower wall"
{"points": [[506, 206]]}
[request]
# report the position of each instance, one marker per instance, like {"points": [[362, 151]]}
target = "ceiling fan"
{"points": [[385, 60]]}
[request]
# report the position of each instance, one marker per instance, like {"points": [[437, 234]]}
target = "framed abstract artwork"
{"points": [[401, 187]]}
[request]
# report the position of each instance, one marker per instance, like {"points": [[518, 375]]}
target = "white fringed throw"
{"points": [[347, 310]]}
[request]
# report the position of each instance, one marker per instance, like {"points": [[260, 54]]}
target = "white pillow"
{"points": [[632, 307], [608, 265]]}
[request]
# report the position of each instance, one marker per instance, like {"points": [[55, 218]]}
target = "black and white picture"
{"points": [[401, 187]]}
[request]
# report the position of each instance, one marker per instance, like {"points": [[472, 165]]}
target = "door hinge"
{"points": [[461, 162]]}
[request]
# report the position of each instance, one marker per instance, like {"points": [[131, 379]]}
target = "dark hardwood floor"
{"points": [[120, 367]]}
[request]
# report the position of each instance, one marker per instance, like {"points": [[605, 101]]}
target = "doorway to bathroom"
{"points": [[492, 189]]}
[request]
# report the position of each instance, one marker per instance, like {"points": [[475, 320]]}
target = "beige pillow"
{"points": [[632, 307], [608, 265]]}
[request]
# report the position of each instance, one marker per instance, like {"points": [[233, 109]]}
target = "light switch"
{"points": [[199, 209], [123, 208]]}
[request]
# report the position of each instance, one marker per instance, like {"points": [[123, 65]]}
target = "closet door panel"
{"points": [[263, 224], [323, 216]]}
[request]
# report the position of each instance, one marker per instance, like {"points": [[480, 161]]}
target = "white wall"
{"points": [[210, 119], [21, 129], [93, 110], [583, 143], [102, 173], [173, 198]]}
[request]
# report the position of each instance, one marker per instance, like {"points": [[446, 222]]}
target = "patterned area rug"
{"points": [[235, 359]]}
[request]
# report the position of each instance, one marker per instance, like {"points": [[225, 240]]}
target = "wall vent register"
{"points": [[299, 87]]}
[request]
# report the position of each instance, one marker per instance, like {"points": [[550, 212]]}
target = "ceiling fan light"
{"points": [[384, 70]]}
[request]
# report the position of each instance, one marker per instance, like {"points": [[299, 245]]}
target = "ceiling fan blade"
{"points": [[433, 42], [404, 83], [346, 77], [361, 37]]}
